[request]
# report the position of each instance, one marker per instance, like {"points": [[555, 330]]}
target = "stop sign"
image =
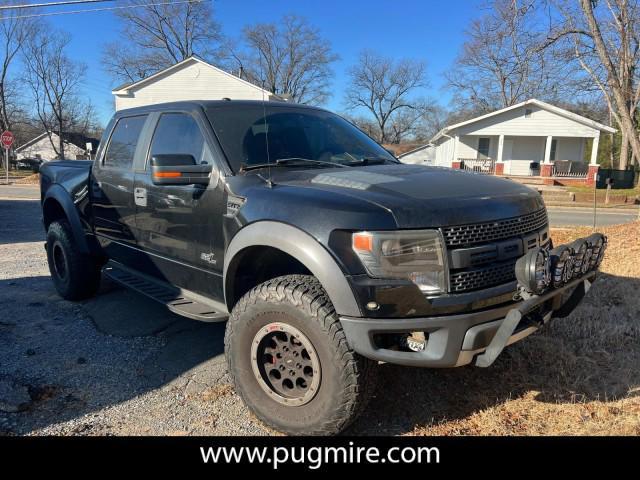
{"points": [[6, 138]]}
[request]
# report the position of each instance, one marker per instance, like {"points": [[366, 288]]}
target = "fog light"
{"points": [[533, 270], [561, 265], [373, 306]]}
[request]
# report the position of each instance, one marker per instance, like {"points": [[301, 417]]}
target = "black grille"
{"points": [[466, 235], [491, 275]]}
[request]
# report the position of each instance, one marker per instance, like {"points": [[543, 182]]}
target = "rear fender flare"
{"points": [[58, 194]]}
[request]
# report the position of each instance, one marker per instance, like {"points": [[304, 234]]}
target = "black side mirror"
{"points": [[178, 169]]}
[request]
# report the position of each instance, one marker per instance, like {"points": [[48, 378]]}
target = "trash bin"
{"points": [[534, 168]]}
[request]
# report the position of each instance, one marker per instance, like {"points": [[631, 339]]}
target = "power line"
{"points": [[103, 9], [50, 4]]}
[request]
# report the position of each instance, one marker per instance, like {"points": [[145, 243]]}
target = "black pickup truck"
{"points": [[323, 253]]}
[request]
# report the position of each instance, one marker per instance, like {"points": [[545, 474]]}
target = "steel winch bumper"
{"points": [[456, 340]]}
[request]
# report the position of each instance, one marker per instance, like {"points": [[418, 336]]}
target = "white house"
{"points": [[530, 138], [41, 148], [191, 79], [423, 155]]}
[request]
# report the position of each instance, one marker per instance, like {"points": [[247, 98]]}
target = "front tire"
{"points": [[75, 275], [290, 361]]}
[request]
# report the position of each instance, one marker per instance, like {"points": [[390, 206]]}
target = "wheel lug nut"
{"points": [[298, 366], [281, 367], [292, 373]]}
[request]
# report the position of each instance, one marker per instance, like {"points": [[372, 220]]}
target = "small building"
{"points": [[422, 155], [191, 79], [41, 147], [532, 138]]}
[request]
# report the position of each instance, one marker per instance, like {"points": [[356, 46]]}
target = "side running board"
{"points": [[179, 301]]}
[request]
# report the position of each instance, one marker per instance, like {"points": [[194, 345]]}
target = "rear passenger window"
{"points": [[179, 133], [124, 141]]}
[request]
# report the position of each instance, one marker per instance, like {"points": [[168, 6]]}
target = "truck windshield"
{"points": [[249, 137]]}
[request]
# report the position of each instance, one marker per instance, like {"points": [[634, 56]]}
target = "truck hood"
{"points": [[419, 196]]}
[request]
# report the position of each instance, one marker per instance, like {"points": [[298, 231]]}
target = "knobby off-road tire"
{"points": [[75, 275], [298, 306]]}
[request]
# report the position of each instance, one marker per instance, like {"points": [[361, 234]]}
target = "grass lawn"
{"points": [[16, 173], [602, 191]]}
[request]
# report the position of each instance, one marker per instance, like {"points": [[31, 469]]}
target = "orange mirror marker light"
{"points": [[168, 174]]}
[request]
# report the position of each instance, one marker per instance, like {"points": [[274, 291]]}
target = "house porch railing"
{"points": [[569, 169], [478, 165]]}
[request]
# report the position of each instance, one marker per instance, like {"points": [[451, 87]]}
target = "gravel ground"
{"points": [[117, 364]]}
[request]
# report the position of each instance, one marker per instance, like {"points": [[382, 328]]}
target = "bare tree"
{"points": [[287, 58], [501, 62], [13, 35], [604, 38], [156, 36], [386, 89], [54, 80]]}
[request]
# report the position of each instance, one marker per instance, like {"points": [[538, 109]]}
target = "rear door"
{"points": [[112, 187], [180, 226]]}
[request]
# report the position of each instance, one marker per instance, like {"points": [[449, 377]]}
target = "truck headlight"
{"points": [[415, 255]]}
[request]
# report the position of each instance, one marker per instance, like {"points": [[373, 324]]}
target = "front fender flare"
{"points": [[307, 250], [59, 194]]}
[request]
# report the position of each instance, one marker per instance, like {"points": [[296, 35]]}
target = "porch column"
{"points": [[594, 150], [455, 163], [499, 162], [592, 174], [546, 169]]}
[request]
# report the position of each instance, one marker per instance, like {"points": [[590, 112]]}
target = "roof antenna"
{"points": [[266, 134]]}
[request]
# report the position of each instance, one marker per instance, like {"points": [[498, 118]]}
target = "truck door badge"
{"points": [[208, 257]]}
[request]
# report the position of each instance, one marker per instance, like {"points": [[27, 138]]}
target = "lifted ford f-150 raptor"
{"points": [[323, 253]]}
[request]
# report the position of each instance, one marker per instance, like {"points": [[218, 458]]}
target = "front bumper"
{"points": [[456, 340]]}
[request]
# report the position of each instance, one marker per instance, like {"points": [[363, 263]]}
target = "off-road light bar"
{"points": [[561, 265], [539, 269], [533, 270]]}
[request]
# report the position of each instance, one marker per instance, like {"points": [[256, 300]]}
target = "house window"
{"points": [[527, 112], [554, 148], [483, 147]]}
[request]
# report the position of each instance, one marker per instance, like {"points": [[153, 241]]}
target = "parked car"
{"points": [[323, 253], [31, 163]]}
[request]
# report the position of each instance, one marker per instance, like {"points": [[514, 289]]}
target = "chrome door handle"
{"points": [[140, 196]]}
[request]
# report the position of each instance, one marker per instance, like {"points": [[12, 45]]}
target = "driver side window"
{"points": [[179, 133]]}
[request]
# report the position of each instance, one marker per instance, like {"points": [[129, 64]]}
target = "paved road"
{"points": [[19, 191], [559, 217]]}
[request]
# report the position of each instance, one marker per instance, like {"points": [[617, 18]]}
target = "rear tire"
{"points": [[292, 318], [75, 275]]}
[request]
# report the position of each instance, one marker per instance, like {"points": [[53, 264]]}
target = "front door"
{"points": [[180, 226]]}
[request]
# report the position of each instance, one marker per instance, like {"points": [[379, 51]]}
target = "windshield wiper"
{"points": [[284, 162], [370, 161]]}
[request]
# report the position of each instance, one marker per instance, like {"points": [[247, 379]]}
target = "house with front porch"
{"points": [[532, 138]]}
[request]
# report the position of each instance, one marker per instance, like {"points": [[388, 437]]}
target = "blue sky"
{"points": [[429, 30]]}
